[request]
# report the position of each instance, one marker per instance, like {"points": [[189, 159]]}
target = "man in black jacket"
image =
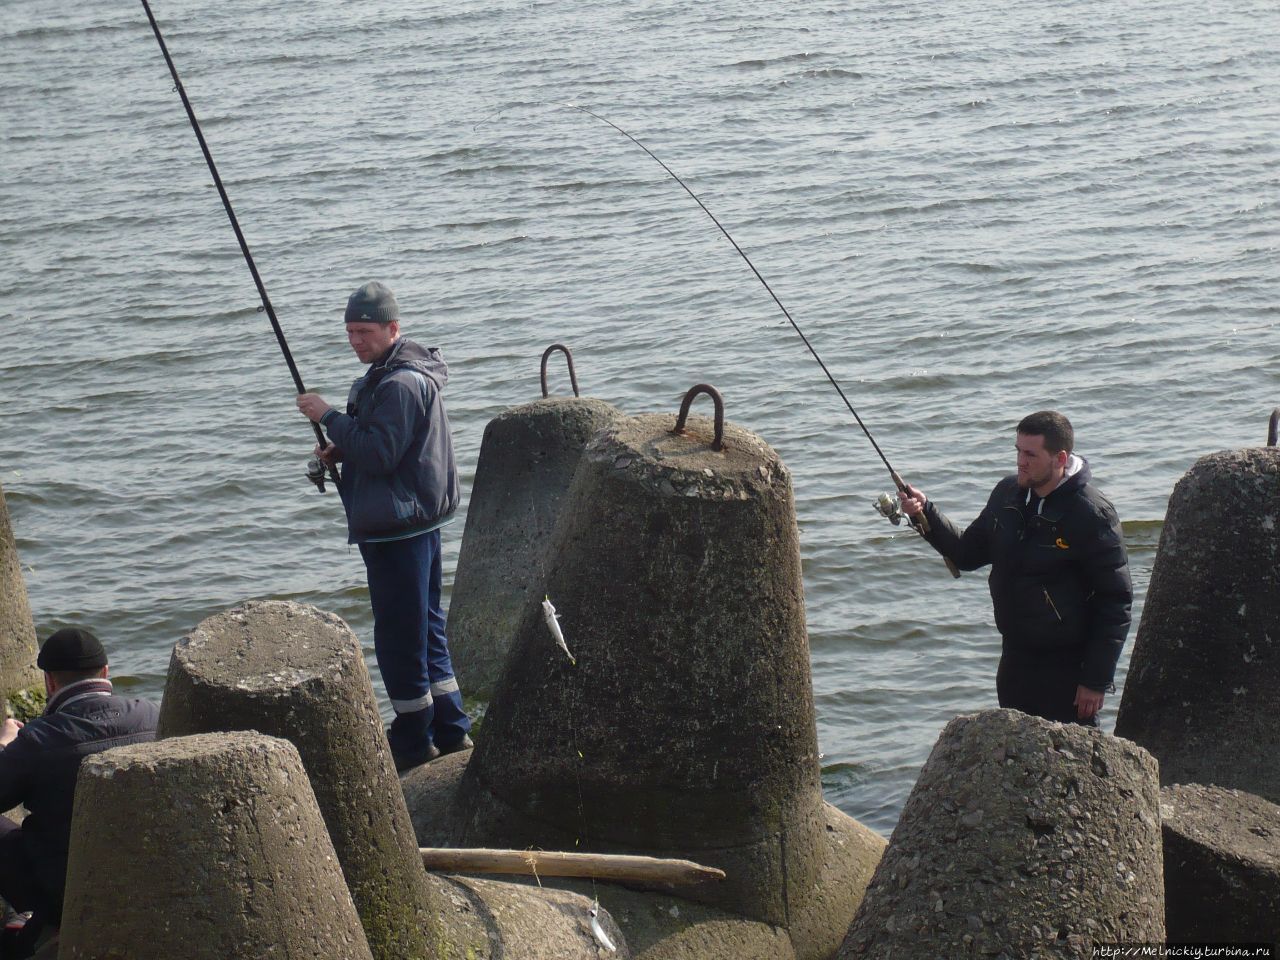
{"points": [[1059, 579], [39, 763]]}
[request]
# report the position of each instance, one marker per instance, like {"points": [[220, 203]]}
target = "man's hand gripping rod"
{"points": [[889, 508]]}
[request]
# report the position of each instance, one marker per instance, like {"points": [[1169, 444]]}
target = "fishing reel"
{"points": [[890, 507], [315, 473]]}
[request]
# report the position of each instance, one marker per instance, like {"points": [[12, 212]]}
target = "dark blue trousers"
{"points": [[1041, 683], [21, 885], [410, 644]]}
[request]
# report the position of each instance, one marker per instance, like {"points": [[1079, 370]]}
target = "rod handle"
{"points": [[921, 523]]}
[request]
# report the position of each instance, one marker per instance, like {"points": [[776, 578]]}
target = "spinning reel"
{"points": [[315, 473], [890, 507]]}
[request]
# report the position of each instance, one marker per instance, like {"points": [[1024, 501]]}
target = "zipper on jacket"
{"points": [[1049, 600]]}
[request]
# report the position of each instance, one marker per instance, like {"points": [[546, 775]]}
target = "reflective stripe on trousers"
{"points": [[408, 636]]}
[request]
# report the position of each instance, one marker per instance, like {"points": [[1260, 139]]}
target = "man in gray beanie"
{"points": [[399, 486]]}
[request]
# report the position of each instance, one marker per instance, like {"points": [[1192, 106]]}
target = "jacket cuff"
{"points": [[1098, 678], [930, 513]]}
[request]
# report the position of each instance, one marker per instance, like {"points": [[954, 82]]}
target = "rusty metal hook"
{"points": [[1273, 428], [714, 394], [573, 376]]}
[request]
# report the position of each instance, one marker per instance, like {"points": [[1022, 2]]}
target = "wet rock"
{"points": [[1221, 865], [203, 847], [1081, 870], [1201, 688], [527, 459]]}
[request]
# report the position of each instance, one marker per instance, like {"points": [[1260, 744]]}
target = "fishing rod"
{"points": [[885, 505], [315, 468]]}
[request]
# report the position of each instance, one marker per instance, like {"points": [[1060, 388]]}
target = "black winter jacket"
{"points": [[398, 471], [1059, 573], [38, 769]]}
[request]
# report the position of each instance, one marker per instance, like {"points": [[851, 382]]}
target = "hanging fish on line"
{"points": [[549, 614], [598, 931]]}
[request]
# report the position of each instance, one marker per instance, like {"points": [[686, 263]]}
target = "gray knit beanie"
{"points": [[372, 303]]}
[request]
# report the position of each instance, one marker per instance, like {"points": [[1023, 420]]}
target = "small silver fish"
{"points": [[598, 931], [549, 614]]}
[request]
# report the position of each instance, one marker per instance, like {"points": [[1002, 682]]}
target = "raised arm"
{"points": [[968, 549]]}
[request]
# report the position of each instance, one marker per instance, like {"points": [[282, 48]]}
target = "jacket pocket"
{"points": [[381, 506], [1048, 598], [1048, 613]]}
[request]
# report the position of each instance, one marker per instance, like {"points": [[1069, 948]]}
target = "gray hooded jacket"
{"points": [[398, 472]]}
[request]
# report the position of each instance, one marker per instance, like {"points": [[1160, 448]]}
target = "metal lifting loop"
{"points": [[1273, 428], [573, 376], [714, 394]]}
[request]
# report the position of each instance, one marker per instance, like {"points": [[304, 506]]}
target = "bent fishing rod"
{"points": [[885, 505], [315, 468]]}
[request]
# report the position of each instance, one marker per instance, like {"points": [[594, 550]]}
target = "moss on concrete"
{"points": [[26, 704], [392, 926]]}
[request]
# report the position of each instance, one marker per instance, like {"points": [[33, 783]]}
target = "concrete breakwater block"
{"points": [[1021, 838], [663, 924], [295, 672], [527, 460], [524, 922], [664, 927], [17, 632], [1221, 865], [203, 847], [1201, 693], [683, 725]]}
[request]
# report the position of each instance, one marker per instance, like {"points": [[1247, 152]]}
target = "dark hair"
{"points": [[1053, 426], [65, 677]]}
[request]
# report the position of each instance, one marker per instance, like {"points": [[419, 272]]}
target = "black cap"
{"points": [[372, 303], [71, 649]]}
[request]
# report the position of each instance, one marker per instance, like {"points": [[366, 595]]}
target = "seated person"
{"points": [[39, 763]]}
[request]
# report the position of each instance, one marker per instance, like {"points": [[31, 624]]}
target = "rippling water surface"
{"points": [[974, 209]]}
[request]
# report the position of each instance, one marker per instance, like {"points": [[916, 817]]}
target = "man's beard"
{"points": [[1031, 482]]}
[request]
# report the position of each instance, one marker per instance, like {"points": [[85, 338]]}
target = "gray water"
{"points": [[974, 209]]}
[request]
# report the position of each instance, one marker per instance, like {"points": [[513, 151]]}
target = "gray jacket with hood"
{"points": [[398, 472]]}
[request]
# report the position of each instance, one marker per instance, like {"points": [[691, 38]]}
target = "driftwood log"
{"points": [[543, 863]]}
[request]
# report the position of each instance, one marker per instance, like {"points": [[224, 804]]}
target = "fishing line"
{"points": [[316, 474], [785, 312], [572, 676], [919, 522]]}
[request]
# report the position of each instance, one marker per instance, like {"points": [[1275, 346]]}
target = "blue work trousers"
{"points": [[410, 644]]}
